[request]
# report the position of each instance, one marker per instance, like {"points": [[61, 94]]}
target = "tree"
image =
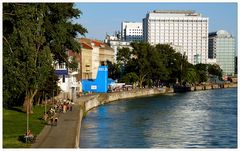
{"points": [[49, 88], [159, 72], [130, 78], [165, 52], [123, 56], [34, 35], [153, 65], [202, 71], [113, 70], [141, 54], [192, 76], [26, 41], [215, 70]]}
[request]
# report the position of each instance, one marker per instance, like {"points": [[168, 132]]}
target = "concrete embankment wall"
{"points": [[87, 103], [100, 99], [213, 86], [204, 87]]}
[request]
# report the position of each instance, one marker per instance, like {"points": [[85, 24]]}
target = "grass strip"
{"points": [[15, 125]]}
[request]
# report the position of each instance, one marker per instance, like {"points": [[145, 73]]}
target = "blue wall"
{"points": [[100, 84]]}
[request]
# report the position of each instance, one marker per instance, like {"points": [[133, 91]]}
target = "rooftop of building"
{"points": [[130, 22], [90, 43], [174, 11], [220, 33], [190, 13]]}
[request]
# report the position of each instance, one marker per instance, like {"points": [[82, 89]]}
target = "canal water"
{"points": [[202, 119]]}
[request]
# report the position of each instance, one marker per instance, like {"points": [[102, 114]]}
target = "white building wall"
{"points": [[67, 83], [95, 61], [118, 45], [211, 61], [115, 44], [187, 30], [132, 31]]}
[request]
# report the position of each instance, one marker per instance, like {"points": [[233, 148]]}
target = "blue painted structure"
{"points": [[100, 84]]}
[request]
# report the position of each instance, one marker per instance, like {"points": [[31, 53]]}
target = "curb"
{"points": [[77, 139]]}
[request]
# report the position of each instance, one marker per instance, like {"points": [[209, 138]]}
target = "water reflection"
{"points": [[204, 119]]}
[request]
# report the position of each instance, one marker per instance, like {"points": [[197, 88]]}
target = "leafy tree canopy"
{"points": [[34, 35], [153, 65]]}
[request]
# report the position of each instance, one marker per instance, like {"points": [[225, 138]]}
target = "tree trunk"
{"points": [[140, 82], [141, 79], [27, 105], [39, 100]]}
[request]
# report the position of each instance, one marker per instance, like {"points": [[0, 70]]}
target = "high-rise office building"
{"points": [[222, 48], [186, 31], [131, 31]]}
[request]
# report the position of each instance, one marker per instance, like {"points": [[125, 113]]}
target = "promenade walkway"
{"points": [[63, 135], [67, 133]]}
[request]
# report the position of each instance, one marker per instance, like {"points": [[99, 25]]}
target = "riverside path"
{"points": [[64, 134]]}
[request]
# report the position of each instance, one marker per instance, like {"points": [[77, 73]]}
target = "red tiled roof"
{"points": [[86, 46], [89, 41], [85, 40], [97, 43]]}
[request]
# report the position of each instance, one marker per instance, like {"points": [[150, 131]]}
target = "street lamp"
{"points": [[45, 110], [27, 122]]}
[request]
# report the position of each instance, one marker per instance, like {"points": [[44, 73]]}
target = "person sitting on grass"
{"points": [[29, 133], [29, 136]]}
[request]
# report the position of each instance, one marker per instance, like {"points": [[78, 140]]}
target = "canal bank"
{"points": [[204, 87], [89, 102], [183, 120], [72, 120]]}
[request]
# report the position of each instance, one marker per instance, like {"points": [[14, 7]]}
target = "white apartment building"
{"points": [[131, 31], [185, 30], [115, 43], [67, 81]]}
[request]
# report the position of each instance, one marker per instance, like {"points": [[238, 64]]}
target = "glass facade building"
{"points": [[222, 48]]}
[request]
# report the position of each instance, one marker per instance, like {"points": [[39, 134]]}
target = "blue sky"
{"points": [[102, 18]]}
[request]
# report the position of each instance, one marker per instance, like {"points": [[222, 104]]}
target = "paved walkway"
{"points": [[64, 134]]}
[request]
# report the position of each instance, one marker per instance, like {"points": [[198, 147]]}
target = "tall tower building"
{"points": [[131, 31], [222, 48], [186, 31]]}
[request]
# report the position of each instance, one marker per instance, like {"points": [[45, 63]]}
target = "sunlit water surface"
{"points": [[202, 119]]}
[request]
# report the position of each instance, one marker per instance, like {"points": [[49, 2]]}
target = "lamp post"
{"points": [[53, 98], [45, 110], [27, 122]]}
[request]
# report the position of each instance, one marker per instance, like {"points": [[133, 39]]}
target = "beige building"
{"points": [[93, 54], [106, 53]]}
